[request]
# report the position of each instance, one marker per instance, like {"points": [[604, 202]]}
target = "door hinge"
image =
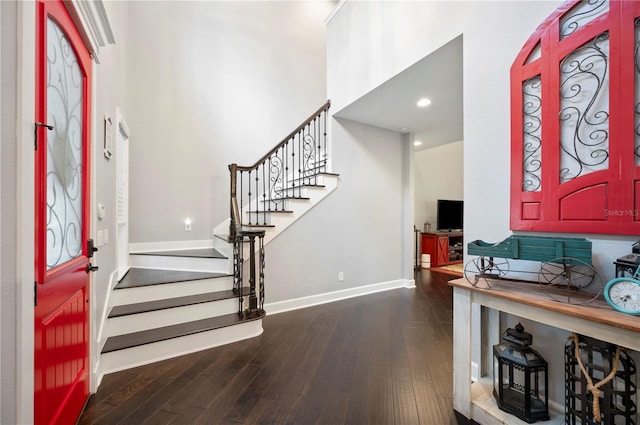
{"points": [[35, 293], [35, 132]]}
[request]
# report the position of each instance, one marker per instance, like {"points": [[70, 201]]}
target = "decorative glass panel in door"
{"points": [[64, 145]]}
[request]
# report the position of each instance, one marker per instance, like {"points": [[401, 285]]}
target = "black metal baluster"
{"points": [[305, 161], [262, 273], [285, 186], [300, 162], [253, 303], [257, 179], [325, 140], [240, 265], [264, 195], [299, 156], [241, 199], [249, 200], [268, 199], [316, 153], [283, 176]]}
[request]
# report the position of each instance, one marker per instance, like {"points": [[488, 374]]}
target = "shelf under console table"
{"points": [[475, 401]]}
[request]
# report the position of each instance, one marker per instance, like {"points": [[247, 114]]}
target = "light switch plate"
{"points": [[100, 240], [106, 236]]}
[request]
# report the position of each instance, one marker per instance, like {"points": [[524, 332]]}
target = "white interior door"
{"points": [[122, 202]]}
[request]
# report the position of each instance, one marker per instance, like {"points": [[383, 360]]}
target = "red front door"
{"points": [[61, 358]]}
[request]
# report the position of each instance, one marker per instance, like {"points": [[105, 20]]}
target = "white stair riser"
{"points": [[320, 179], [283, 205], [150, 353], [302, 192], [224, 247], [170, 290], [305, 192], [180, 263], [171, 316]]}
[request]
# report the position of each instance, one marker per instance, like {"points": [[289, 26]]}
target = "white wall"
{"points": [[439, 174], [370, 42], [356, 230], [211, 83]]}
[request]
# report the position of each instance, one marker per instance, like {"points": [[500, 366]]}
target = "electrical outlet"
{"points": [[187, 225], [340, 276]]}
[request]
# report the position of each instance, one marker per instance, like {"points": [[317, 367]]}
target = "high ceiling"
{"points": [[392, 105]]}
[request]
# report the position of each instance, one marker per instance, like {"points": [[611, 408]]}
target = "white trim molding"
{"points": [[92, 20]]}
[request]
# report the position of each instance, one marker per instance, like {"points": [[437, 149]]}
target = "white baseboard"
{"points": [[98, 341], [328, 297], [169, 245]]}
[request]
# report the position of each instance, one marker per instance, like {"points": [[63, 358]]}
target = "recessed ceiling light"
{"points": [[404, 129], [417, 143], [424, 102]]}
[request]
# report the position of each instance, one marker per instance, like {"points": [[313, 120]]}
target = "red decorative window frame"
{"points": [[605, 201]]}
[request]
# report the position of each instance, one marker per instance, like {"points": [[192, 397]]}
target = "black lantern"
{"points": [[520, 377]]}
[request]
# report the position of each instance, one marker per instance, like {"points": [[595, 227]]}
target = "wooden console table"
{"points": [[475, 401]]}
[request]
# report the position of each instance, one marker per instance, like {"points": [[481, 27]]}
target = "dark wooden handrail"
{"points": [[312, 117]]}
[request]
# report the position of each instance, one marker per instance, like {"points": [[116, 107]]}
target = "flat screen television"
{"points": [[449, 215]]}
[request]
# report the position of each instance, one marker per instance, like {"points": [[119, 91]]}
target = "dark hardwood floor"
{"points": [[379, 359]]}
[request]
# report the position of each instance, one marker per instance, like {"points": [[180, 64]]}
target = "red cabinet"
{"points": [[443, 247]]}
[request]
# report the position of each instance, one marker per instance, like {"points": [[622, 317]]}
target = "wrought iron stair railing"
{"points": [[259, 190]]}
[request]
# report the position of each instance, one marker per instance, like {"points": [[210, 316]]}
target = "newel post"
{"points": [[233, 201]]}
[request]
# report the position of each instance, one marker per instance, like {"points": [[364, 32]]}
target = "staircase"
{"points": [[174, 302]]}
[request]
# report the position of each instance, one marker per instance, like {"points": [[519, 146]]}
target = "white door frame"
{"points": [[26, 76], [122, 196]]}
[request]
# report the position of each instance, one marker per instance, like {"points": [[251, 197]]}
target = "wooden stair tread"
{"points": [[305, 185], [121, 342], [269, 212], [194, 252], [163, 304], [137, 277], [302, 198], [285, 198]]}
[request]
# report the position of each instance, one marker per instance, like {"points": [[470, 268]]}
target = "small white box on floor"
{"points": [[426, 261]]}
